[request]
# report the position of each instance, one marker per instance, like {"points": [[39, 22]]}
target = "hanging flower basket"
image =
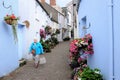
{"points": [[48, 30], [13, 21], [57, 31]]}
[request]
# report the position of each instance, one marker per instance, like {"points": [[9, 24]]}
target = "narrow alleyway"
{"points": [[56, 68]]}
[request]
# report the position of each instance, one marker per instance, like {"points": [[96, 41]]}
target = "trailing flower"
{"points": [[13, 21], [42, 34]]}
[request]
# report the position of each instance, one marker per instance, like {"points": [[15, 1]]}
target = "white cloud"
{"points": [[61, 3]]}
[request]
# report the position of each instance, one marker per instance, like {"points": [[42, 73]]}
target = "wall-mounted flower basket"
{"points": [[13, 21]]}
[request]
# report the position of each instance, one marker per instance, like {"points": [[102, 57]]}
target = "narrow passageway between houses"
{"points": [[56, 68]]}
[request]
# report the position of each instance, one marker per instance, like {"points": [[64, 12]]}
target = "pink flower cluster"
{"points": [[82, 45], [42, 33], [89, 48], [73, 46]]}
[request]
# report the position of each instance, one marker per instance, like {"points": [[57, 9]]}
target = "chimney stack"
{"points": [[42, 1], [53, 2]]}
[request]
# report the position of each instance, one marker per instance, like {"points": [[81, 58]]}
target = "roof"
{"points": [[78, 5], [50, 10], [42, 7]]}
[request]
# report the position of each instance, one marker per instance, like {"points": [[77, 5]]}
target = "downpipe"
{"points": [[113, 50]]}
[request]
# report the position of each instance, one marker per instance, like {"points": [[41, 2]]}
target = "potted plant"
{"points": [[66, 38], [13, 21]]}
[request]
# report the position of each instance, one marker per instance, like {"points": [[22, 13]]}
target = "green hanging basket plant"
{"points": [[57, 31], [13, 21]]}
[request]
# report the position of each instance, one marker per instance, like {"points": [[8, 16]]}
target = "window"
{"points": [[68, 18], [83, 26]]}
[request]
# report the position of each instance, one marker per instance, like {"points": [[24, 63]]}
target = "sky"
{"points": [[61, 3]]}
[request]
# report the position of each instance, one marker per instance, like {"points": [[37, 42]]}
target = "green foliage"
{"points": [[54, 40], [46, 46], [66, 39], [48, 30], [53, 34], [49, 44], [90, 74], [57, 31]]}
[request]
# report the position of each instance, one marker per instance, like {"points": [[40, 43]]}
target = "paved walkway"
{"points": [[56, 68]]}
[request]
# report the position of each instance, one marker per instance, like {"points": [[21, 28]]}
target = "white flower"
{"points": [[79, 78], [97, 72]]}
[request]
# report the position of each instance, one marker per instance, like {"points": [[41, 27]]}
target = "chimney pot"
{"points": [[52, 2]]}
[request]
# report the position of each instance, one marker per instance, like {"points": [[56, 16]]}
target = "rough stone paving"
{"points": [[56, 68]]}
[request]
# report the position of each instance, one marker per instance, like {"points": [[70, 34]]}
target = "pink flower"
{"points": [[79, 59], [42, 33], [85, 65]]}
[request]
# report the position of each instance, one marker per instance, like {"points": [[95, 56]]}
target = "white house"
{"points": [[72, 17], [38, 18], [57, 17], [101, 18]]}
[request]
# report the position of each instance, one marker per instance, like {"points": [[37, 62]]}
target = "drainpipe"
{"points": [[112, 27]]}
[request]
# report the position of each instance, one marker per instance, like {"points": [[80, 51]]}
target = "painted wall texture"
{"points": [[117, 37], [98, 15], [8, 48], [32, 11]]}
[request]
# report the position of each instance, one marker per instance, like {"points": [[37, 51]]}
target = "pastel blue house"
{"points": [[101, 18], [8, 49]]}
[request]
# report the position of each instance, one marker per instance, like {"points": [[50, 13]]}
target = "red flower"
{"points": [[13, 16]]}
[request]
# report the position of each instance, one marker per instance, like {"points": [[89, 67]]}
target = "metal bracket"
{"points": [[87, 27], [7, 7]]}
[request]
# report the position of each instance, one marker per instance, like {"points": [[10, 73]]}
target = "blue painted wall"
{"points": [[8, 48], [21, 40], [96, 13], [117, 38], [105, 38]]}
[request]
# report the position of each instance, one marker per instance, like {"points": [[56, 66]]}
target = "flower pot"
{"points": [[8, 21]]}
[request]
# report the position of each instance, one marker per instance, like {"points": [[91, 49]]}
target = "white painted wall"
{"points": [[31, 10]]}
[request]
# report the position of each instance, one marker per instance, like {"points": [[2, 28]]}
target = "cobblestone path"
{"points": [[56, 68]]}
